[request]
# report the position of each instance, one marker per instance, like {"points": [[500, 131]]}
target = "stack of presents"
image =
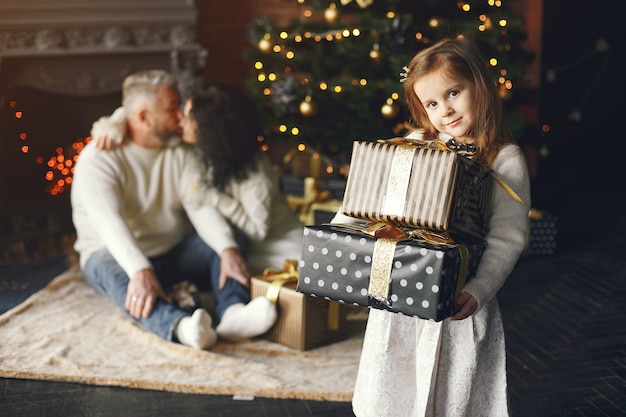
{"points": [[417, 213]]}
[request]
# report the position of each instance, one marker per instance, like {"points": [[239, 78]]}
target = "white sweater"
{"points": [[257, 208], [132, 200]]}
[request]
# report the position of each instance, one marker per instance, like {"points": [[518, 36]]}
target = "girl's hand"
{"points": [[108, 131], [467, 304]]}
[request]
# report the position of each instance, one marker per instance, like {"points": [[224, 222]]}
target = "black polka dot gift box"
{"points": [[409, 275], [415, 183]]}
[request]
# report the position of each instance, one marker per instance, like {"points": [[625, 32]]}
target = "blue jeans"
{"points": [[190, 260]]}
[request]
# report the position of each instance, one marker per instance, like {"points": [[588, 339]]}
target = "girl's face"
{"points": [[449, 103], [189, 125]]}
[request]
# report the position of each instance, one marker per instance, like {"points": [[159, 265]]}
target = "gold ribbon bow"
{"points": [[289, 273], [280, 277], [384, 230]]}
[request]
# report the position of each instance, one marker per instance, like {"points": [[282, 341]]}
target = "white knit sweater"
{"points": [[257, 208]]}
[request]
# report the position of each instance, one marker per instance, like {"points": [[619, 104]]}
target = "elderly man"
{"points": [[130, 215]]}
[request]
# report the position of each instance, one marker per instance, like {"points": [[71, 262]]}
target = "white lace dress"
{"points": [[413, 368]]}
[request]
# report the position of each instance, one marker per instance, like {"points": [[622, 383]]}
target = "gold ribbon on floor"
{"points": [[280, 277]]}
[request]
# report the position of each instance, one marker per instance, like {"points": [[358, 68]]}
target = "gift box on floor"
{"points": [[320, 213], [303, 322], [413, 183], [541, 233], [413, 277]]}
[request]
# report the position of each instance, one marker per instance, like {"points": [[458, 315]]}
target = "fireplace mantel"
{"points": [[87, 47]]}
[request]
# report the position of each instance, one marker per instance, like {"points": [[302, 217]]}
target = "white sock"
{"points": [[196, 330], [246, 321]]}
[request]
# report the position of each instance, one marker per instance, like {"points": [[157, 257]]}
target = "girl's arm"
{"points": [[506, 228], [109, 131]]}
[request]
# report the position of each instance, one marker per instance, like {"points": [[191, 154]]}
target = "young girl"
{"points": [[412, 367]]}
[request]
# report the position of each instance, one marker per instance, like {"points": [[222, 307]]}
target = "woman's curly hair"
{"points": [[228, 132]]}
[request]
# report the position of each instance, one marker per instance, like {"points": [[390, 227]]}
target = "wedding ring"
{"points": [[133, 298]]}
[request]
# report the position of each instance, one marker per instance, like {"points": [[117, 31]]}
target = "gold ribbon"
{"points": [[278, 278], [380, 275], [333, 316], [392, 231], [508, 189], [394, 203], [382, 261]]}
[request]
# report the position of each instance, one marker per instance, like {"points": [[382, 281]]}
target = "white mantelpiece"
{"points": [[86, 47]]}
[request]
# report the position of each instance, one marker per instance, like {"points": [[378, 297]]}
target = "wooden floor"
{"points": [[565, 326]]}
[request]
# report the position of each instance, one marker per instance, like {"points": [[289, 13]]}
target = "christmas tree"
{"points": [[332, 75]]}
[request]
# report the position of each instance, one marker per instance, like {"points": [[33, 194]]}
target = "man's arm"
{"points": [[96, 197]]}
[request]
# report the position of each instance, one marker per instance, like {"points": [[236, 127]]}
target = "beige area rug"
{"points": [[67, 332]]}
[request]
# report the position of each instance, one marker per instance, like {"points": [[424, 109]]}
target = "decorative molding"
{"points": [[87, 40], [88, 46], [19, 14]]}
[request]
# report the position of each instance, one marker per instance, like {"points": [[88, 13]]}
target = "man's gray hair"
{"points": [[143, 85]]}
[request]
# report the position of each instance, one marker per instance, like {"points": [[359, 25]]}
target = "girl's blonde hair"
{"points": [[461, 58]]}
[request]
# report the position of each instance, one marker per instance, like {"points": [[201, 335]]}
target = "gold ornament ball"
{"points": [[308, 108], [265, 45], [389, 111], [375, 54], [331, 14]]}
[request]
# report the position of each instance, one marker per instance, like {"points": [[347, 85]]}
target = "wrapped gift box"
{"points": [[311, 187], [406, 182], [303, 322], [541, 233], [320, 213], [412, 277]]}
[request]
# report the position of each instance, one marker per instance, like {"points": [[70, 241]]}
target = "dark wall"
{"points": [[582, 99]]}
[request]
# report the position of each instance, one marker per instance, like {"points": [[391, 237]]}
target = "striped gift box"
{"points": [[410, 184]]}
